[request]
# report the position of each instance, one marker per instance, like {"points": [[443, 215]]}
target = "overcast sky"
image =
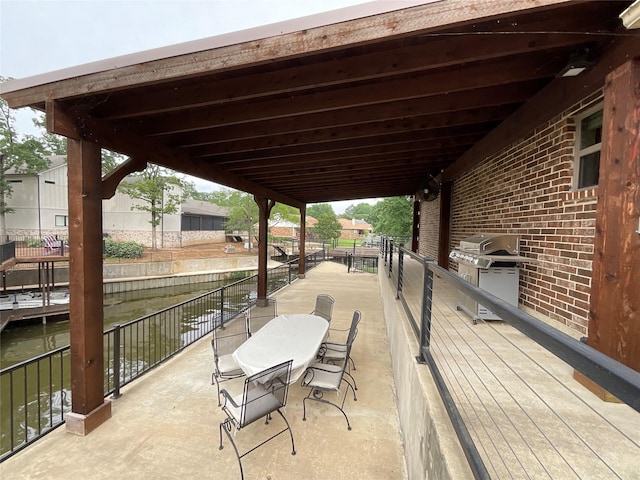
{"points": [[46, 35]]}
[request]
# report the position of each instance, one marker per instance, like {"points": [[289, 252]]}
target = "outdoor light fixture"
{"points": [[631, 16], [578, 63]]}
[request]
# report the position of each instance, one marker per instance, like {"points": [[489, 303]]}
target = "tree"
{"points": [[244, 214], [110, 160], [328, 227], [360, 211], [26, 154], [243, 211], [54, 144], [394, 216], [156, 189], [317, 209]]}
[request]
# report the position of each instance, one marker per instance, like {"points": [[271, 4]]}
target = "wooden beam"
{"points": [[468, 77], [614, 322], [415, 227], [264, 207], [433, 53], [444, 236], [391, 117], [421, 140], [303, 237], [60, 122], [112, 179], [215, 56], [85, 287], [559, 95], [146, 149]]}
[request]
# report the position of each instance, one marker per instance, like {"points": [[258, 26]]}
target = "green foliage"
{"points": [[328, 227], [394, 216], [34, 242], [159, 194], [361, 211], [243, 210], [318, 209], [54, 144], [244, 214], [110, 160], [117, 249], [21, 154]]}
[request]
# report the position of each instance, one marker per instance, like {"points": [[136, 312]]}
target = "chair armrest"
{"points": [[334, 347], [228, 398]]}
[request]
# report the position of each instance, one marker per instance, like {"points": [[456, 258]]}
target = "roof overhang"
{"points": [[365, 102]]}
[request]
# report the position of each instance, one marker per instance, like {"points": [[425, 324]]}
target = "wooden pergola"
{"points": [[370, 101]]}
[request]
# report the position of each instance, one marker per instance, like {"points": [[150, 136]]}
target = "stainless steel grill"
{"points": [[489, 261]]}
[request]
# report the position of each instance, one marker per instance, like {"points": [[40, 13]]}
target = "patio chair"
{"points": [[257, 317], [52, 245], [324, 377], [264, 393], [335, 352], [324, 306], [224, 343]]}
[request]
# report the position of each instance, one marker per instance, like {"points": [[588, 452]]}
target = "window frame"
{"points": [[583, 152], [65, 220]]}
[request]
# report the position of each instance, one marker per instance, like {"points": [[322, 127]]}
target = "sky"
{"points": [[46, 35]]}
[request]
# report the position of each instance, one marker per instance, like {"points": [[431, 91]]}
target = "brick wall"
{"points": [[429, 222], [527, 189]]}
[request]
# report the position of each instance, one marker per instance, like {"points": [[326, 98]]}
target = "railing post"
{"points": [[116, 362], [390, 257], [400, 271], [427, 302], [221, 308]]}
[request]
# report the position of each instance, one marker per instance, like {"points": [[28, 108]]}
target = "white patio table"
{"points": [[291, 336]]}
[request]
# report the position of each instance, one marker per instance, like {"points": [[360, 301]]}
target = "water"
{"points": [[24, 340]]}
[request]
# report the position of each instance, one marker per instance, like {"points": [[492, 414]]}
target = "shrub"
{"points": [[33, 242], [116, 249]]}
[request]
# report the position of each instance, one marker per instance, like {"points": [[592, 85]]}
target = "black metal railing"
{"points": [[414, 278], [7, 251], [355, 262], [38, 391], [37, 246]]}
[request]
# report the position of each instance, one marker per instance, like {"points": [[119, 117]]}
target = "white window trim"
{"points": [[578, 153], [64, 217]]}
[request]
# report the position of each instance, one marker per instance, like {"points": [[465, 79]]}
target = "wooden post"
{"points": [[303, 236], [415, 228], [444, 225], [264, 206], [614, 314], [88, 406]]}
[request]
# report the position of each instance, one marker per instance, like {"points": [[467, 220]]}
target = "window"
{"points": [[588, 146], [62, 220], [201, 223]]}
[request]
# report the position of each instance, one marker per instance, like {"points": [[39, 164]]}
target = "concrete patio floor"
{"points": [[165, 425]]}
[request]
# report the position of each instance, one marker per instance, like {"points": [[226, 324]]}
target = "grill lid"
{"points": [[487, 243]]}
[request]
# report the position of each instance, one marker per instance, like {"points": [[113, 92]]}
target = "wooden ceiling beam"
{"points": [[487, 116], [468, 77], [435, 52], [330, 125], [417, 172], [146, 150], [364, 146], [559, 95], [353, 158]]}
